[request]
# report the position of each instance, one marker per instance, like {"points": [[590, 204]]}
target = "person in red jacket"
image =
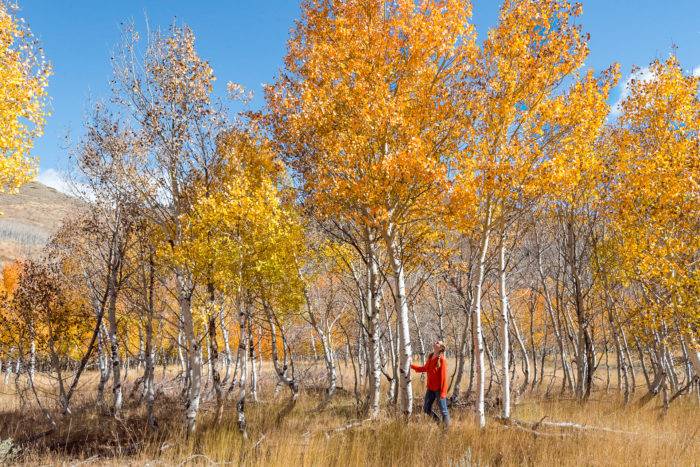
{"points": [[436, 367]]}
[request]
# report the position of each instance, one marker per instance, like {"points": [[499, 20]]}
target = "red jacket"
{"points": [[437, 377]]}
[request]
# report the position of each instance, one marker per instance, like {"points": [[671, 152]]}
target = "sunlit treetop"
{"points": [[365, 108], [23, 80], [530, 111], [654, 199], [242, 234]]}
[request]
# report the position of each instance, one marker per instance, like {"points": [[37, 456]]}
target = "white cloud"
{"points": [[642, 74], [696, 71], [54, 179], [64, 183]]}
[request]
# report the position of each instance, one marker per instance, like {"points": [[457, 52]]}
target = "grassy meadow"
{"points": [[313, 434]]}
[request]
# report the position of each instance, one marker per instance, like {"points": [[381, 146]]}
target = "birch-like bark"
{"points": [[628, 355], [493, 373], [214, 350], [234, 376], [8, 369], [282, 369], [419, 334], [324, 337], [392, 392], [478, 331], [194, 356], [140, 358], [584, 354], [505, 329], [114, 347], [149, 374], [523, 352], [372, 317], [441, 314], [227, 346], [149, 363], [687, 365], [694, 356], [659, 382], [253, 367], [361, 354], [533, 350], [102, 363], [183, 362], [242, 367], [462, 353], [621, 361], [32, 351], [329, 360], [472, 356], [401, 303]]}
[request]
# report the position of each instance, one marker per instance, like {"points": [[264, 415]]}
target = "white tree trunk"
{"points": [[328, 358], [253, 366], [478, 330], [242, 368], [523, 352], [694, 356], [194, 355], [227, 346], [149, 372], [505, 337], [114, 350], [181, 356], [419, 334], [281, 370], [102, 363], [372, 311], [8, 369], [330, 364], [461, 355], [394, 358], [441, 314], [214, 352], [402, 313], [209, 361]]}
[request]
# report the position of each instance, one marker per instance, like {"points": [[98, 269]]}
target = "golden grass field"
{"points": [[336, 435]]}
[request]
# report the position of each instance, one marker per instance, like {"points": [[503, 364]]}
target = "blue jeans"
{"points": [[430, 397]]}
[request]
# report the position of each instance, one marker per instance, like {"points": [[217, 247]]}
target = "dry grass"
{"points": [[308, 436]]}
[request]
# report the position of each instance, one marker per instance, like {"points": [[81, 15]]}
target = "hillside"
{"points": [[29, 218]]}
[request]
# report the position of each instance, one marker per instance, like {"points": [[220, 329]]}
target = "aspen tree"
{"points": [[654, 202], [23, 80], [164, 92], [514, 120], [364, 113]]}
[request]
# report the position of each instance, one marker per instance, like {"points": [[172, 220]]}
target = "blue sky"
{"points": [[245, 40]]}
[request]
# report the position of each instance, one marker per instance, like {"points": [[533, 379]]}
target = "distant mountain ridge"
{"points": [[30, 217]]}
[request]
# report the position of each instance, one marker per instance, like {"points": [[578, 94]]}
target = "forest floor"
{"points": [[611, 433]]}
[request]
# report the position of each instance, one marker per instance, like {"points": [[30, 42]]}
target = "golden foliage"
{"points": [[23, 81]]}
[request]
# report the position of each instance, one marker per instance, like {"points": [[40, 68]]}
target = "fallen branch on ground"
{"points": [[562, 425], [349, 426], [535, 432], [578, 426]]}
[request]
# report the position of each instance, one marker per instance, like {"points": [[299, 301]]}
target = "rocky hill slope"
{"points": [[29, 218]]}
